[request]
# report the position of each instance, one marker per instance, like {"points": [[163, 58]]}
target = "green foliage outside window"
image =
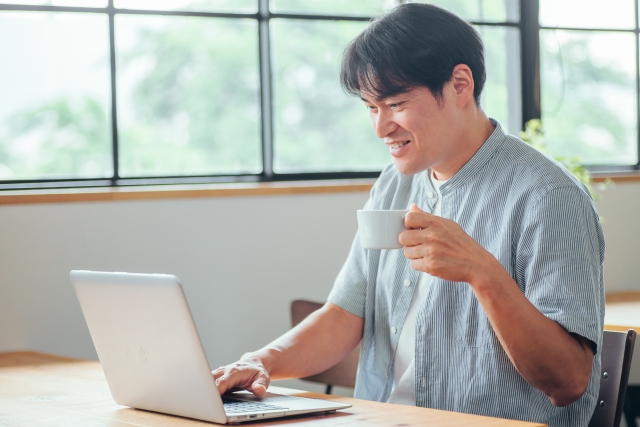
{"points": [[533, 134], [189, 95]]}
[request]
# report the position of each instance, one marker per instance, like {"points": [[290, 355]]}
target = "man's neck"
{"points": [[472, 138]]}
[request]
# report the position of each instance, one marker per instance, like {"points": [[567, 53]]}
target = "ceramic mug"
{"points": [[380, 229]]}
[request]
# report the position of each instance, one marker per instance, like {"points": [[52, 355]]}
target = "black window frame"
{"points": [[528, 26], [605, 169]]}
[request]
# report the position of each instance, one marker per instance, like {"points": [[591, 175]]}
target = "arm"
{"points": [[544, 353], [320, 341]]}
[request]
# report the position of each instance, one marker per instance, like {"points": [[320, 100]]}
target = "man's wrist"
{"points": [[487, 276], [265, 357]]}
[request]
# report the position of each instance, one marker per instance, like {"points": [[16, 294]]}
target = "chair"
{"points": [[616, 353], [344, 372], [632, 405]]}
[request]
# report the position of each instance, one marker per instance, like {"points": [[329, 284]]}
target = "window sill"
{"points": [[159, 192], [616, 176]]}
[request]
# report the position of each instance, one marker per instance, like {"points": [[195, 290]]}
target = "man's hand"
{"points": [[320, 341], [441, 248], [246, 374]]}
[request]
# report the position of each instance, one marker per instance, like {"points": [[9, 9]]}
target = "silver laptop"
{"points": [[152, 357]]}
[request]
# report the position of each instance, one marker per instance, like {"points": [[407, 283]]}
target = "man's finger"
{"points": [[418, 219], [413, 237], [412, 252], [222, 385], [414, 208], [259, 387], [228, 381]]}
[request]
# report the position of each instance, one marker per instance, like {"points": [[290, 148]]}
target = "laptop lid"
{"points": [[152, 356], [147, 343]]}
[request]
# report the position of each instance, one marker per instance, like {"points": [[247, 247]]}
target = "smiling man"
{"points": [[496, 304]]}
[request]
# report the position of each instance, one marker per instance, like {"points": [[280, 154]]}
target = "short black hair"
{"points": [[410, 46]]}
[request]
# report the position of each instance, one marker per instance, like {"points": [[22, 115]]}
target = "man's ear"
{"points": [[462, 79]]}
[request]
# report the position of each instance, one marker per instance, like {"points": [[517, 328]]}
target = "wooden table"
{"points": [[39, 389], [622, 311]]}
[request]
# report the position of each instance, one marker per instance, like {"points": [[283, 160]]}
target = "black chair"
{"points": [[632, 405], [616, 353], [344, 372]]}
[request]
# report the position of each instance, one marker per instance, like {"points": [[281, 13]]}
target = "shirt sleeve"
{"points": [[560, 259], [350, 287]]}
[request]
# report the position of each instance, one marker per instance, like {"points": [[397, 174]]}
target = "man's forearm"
{"points": [[317, 343], [546, 355]]}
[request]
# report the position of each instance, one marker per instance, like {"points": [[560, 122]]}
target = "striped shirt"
{"points": [[404, 360], [540, 223]]}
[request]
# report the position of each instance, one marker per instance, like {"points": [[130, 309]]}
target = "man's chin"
{"points": [[408, 169]]}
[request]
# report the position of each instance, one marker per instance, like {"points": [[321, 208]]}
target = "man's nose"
{"points": [[383, 124]]}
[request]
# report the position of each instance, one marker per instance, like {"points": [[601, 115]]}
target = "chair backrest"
{"points": [[616, 354], [344, 372]]}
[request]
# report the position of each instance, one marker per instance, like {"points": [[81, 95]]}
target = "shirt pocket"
{"points": [[472, 327]]}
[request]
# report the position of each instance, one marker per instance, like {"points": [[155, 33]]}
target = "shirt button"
{"points": [[393, 330], [431, 195], [407, 282]]}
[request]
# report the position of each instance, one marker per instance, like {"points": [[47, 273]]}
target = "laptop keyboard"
{"points": [[232, 406]]}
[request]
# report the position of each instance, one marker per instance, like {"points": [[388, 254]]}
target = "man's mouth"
{"points": [[396, 145]]}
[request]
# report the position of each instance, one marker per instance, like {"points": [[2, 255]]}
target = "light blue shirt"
{"points": [[540, 223]]}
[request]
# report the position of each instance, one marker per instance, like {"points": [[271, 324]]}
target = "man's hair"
{"points": [[413, 45]]}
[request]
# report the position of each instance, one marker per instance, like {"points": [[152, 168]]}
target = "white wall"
{"points": [[619, 208], [241, 260]]}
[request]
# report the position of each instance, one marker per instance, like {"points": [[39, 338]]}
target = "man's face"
{"points": [[419, 132]]}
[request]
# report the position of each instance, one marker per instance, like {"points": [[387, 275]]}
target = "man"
{"points": [[495, 306]]}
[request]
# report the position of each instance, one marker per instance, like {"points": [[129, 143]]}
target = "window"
{"points": [[122, 92], [188, 95], [589, 76], [55, 99]]}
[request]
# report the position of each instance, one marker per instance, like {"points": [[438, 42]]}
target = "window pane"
{"points": [[54, 92], [240, 6], [587, 13], [331, 7], [502, 94], [188, 95], [589, 95], [77, 3], [477, 10], [481, 10], [317, 126]]}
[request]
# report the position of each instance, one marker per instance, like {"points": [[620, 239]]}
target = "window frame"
{"points": [[606, 169], [528, 26]]}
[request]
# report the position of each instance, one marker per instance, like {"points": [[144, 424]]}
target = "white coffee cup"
{"points": [[380, 229]]}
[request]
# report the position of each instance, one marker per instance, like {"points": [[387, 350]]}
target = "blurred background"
{"points": [[187, 96], [118, 92]]}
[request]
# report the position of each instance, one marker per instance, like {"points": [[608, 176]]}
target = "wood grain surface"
{"points": [[44, 390], [196, 191], [622, 311], [158, 192]]}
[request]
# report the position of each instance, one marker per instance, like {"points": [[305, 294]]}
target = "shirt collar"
{"points": [[479, 159]]}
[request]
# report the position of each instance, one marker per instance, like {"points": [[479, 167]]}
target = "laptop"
{"points": [[152, 356]]}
